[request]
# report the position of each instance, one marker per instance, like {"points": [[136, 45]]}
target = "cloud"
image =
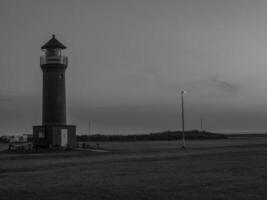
{"points": [[226, 86]]}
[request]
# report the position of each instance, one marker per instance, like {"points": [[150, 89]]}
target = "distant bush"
{"points": [[166, 135], [3, 140]]}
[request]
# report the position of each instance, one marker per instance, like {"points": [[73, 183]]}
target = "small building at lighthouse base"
{"points": [[54, 136]]}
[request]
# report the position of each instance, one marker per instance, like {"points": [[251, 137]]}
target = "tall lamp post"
{"points": [[90, 127], [182, 104]]}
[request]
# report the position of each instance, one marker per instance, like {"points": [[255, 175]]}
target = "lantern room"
{"points": [[53, 52]]}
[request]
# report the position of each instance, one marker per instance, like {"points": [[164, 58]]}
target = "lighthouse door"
{"points": [[64, 137]]}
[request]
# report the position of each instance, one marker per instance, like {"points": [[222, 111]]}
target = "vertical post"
{"points": [[90, 127], [182, 104]]}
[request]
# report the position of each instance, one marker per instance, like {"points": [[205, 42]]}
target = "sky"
{"points": [[129, 60]]}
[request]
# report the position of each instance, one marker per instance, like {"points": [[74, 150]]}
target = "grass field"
{"points": [[211, 169]]}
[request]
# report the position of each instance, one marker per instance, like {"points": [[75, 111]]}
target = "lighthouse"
{"points": [[54, 131]]}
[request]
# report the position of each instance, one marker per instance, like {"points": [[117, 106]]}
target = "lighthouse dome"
{"points": [[53, 43]]}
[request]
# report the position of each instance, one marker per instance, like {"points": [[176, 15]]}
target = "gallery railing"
{"points": [[53, 60]]}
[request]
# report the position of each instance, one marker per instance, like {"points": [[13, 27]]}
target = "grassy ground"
{"points": [[223, 169]]}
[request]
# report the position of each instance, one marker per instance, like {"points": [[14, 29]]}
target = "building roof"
{"points": [[53, 44]]}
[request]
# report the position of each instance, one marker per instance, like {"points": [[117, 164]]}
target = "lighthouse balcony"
{"points": [[54, 60]]}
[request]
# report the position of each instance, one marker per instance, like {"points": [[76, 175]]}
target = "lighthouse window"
{"points": [[53, 52], [41, 135]]}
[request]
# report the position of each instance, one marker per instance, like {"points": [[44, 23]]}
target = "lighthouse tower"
{"points": [[54, 131]]}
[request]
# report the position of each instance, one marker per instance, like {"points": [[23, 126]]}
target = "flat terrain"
{"points": [[208, 169]]}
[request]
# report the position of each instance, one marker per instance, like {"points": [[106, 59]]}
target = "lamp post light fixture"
{"points": [[183, 132]]}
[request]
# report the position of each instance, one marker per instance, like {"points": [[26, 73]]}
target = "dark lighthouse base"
{"points": [[54, 136]]}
